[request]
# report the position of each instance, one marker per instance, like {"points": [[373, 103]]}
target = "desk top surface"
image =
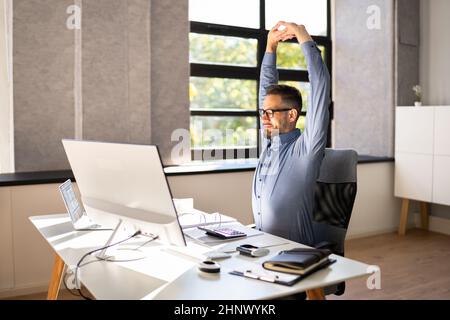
{"points": [[167, 273]]}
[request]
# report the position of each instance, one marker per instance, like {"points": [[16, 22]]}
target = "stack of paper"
{"points": [[196, 218], [202, 237]]}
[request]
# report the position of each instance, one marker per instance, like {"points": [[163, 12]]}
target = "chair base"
{"points": [[340, 289]]}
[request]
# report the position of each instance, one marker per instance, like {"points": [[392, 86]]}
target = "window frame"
{"points": [[250, 73]]}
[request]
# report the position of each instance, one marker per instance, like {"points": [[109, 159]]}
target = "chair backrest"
{"points": [[335, 195]]}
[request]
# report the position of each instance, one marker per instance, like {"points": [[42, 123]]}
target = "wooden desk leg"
{"points": [[315, 294], [424, 215], [403, 217], [55, 281]]}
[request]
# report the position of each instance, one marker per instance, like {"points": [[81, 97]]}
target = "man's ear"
{"points": [[293, 115]]}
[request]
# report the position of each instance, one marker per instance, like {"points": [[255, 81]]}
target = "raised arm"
{"points": [[269, 72], [317, 117]]}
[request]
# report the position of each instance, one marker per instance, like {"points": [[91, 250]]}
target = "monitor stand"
{"points": [[113, 254]]}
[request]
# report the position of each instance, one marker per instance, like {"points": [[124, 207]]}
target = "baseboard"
{"points": [[435, 224], [24, 290], [350, 236], [371, 233]]}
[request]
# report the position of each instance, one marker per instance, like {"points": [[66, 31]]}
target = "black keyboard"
{"points": [[223, 233]]}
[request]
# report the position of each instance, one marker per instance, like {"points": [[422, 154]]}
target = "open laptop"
{"points": [[80, 220]]}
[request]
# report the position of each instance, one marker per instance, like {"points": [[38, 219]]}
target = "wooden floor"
{"points": [[416, 266], [63, 295]]}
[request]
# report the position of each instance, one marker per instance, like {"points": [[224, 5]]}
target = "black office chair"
{"points": [[334, 199]]}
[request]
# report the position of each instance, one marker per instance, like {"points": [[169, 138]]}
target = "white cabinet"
{"points": [[414, 130], [422, 153], [414, 176], [422, 157], [441, 161], [441, 180], [442, 131]]}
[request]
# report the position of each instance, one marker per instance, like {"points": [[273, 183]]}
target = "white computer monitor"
{"points": [[125, 183]]}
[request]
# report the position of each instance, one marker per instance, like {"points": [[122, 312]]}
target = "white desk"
{"points": [[164, 275]]}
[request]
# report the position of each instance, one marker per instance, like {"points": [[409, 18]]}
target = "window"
{"points": [[227, 45]]}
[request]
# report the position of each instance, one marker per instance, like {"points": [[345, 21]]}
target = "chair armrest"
{"points": [[330, 246], [326, 245]]}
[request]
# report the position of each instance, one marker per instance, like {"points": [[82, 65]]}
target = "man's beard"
{"points": [[270, 133]]}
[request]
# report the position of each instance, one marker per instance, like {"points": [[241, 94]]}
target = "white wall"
{"points": [[26, 258], [228, 193], [6, 246], [376, 210], [6, 148], [435, 63], [435, 51]]}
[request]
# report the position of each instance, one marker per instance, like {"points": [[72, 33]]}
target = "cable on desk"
{"points": [[64, 280], [152, 238], [93, 251]]}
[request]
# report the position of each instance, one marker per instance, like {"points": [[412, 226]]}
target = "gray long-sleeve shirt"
{"points": [[283, 185]]}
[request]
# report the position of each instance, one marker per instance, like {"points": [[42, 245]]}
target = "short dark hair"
{"points": [[289, 95]]}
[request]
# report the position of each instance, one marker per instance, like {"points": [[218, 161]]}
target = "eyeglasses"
{"points": [[271, 112]]}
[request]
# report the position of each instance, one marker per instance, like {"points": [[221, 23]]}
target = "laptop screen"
{"points": [[70, 200]]}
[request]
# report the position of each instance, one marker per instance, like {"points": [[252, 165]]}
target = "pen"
{"points": [[267, 278], [249, 274]]}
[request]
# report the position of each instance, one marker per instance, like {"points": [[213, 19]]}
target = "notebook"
{"points": [[298, 261]]}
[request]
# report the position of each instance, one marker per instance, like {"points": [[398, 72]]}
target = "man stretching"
{"points": [[285, 178]]}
